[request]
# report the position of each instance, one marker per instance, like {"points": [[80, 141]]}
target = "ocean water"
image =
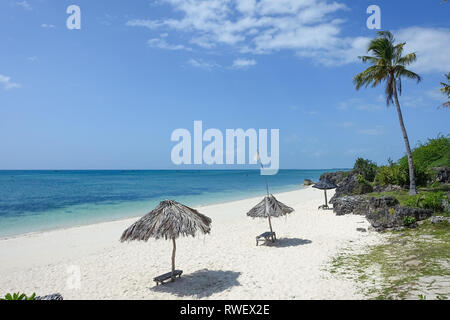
{"points": [[32, 201]]}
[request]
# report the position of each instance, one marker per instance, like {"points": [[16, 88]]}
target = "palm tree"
{"points": [[446, 90], [389, 65]]}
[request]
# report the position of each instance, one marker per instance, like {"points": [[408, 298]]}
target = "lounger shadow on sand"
{"points": [[288, 242], [200, 284]]}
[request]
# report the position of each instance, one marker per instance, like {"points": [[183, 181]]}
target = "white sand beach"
{"points": [[225, 264]]}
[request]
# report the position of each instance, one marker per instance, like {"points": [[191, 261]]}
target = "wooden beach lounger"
{"points": [[167, 276], [266, 236]]}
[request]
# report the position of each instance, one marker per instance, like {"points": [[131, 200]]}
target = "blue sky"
{"points": [[109, 95]]}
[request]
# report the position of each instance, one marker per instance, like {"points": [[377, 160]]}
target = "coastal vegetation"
{"points": [[18, 296], [388, 64], [412, 262]]}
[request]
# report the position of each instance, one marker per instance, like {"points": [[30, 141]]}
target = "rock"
{"points": [[382, 202], [418, 213], [413, 263], [439, 219], [308, 182], [387, 188], [446, 202], [55, 296], [361, 229], [350, 205], [347, 186], [386, 214], [442, 174], [360, 204], [347, 183], [335, 177]]}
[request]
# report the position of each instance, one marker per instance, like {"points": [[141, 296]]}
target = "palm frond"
{"points": [[407, 59], [401, 71], [387, 64]]}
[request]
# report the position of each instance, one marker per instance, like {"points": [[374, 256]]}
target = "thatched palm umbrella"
{"points": [[325, 185], [269, 207], [168, 220]]}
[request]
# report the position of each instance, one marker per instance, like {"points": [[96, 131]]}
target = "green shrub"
{"points": [[422, 174], [366, 168], [390, 175], [429, 200], [413, 201], [364, 186], [18, 296], [433, 153], [433, 201], [407, 221]]}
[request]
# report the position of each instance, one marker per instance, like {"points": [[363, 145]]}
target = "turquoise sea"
{"points": [[33, 201]]}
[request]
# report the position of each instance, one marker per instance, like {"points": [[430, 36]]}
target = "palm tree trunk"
{"points": [[412, 180], [173, 258]]}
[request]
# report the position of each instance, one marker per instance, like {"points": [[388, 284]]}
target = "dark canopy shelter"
{"points": [[168, 220], [325, 185]]}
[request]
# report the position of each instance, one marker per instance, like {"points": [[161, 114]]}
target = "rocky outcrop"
{"points": [[347, 183], [387, 188], [350, 205], [442, 174], [335, 177], [360, 204], [446, 202], [308, 182], [383, 202], [384, 213], [439, 219]]}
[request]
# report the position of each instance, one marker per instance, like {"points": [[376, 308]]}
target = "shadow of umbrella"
{"points": [[200, 284], [289, 242]]}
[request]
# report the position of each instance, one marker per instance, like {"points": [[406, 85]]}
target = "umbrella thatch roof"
{"points": [[274, 208], [325, 185], [168, 220]]}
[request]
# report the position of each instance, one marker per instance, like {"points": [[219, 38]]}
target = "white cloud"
{"points": [[255, 27], [7, 83], [32, 59], [198, 63], [24, 4], [243, 63], [47, 26], [432, 46], [311, 29], [162, 44]]}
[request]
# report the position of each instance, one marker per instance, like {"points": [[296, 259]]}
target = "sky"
{"points": [[109, 95]]}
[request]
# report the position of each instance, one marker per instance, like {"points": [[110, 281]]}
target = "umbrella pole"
{"points": [[326, 201], [270, 226], [173, 258]]}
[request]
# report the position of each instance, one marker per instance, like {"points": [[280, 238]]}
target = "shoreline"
{"points": [[225, 264], [288, 189]]}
